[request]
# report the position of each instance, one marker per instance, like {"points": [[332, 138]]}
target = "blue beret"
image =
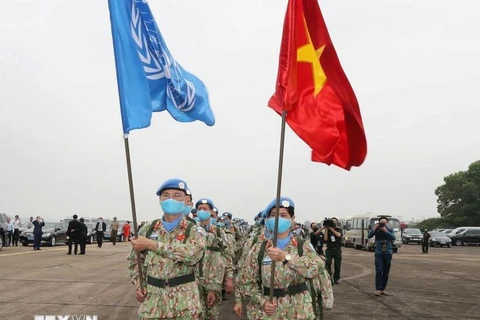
{"points": [[259, 215], [205, 200], [194, 211], [227, 214], [215, 209], [284, 203], [177, 184]]}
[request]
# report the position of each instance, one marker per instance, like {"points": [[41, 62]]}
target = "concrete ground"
{"points": [[445, 284]]}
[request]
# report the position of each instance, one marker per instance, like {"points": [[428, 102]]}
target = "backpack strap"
{"points": [[312, 290], [261, 253], [187, 231], [150, 229], [300, 246]]}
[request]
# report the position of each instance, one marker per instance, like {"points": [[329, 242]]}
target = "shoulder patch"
{"points": [[201, 230]]}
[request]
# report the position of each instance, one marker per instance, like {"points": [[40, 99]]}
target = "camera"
{"points": [[381, 225], [329, 223]]}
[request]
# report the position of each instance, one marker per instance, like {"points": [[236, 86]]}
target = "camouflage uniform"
{"points": [[252, 309], [211, 270], [297, 306], [174, 257]]}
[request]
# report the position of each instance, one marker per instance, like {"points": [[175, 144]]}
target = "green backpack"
{"points": [[314, 285]]}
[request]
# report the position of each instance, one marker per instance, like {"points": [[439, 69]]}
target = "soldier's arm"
{"points": [[306, 265], [189, 252], [248, 277], [132, 259]]}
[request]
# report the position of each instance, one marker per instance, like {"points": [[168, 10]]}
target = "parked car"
{"points": [[412, 235], [466, 237], [53, 232], [439, 239]]}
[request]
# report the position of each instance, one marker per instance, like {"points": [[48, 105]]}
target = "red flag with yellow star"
{"points": [[321, 106]]}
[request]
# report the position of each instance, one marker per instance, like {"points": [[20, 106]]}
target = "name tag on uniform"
{"points": [[267, 261], [332, 237], [154, 236]]}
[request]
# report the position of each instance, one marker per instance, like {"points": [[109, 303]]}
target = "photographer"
{"points": [[316, 238], [333, 238], [383, 253]]}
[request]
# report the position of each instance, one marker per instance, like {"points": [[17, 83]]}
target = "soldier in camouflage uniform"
{"points": [[168, 258], [212, 267], [230, 250], [188, 207], [291, 298], [237, 234], [240, 296], [228, 254]]}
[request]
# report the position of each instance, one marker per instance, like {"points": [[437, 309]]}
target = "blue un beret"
{"points": [[284, 203], [177, 184], [227, 214], [205, 200]]}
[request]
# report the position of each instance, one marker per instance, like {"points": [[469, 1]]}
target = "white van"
{"points": [[356, 234]]}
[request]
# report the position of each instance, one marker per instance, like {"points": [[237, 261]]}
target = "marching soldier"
{"points": [[188, 207], [291, 298], [211, 268], [258, 230], [170, 248]]}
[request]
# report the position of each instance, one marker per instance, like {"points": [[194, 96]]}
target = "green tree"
{"points": [[459, 197]]}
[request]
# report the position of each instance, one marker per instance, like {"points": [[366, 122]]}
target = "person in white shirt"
{"points": [[16, 230], [100, 228], [9, 232]]}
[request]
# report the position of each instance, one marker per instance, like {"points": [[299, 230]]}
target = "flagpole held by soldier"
{"points": [[170, 248]]}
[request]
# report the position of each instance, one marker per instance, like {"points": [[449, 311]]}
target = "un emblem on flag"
{"points": [[157, 61]]}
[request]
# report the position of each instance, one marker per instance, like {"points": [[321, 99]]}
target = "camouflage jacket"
{"points": [[211, 268], [230, 243], [254, 237], [175, 256], [228, 254], [298, 306]]}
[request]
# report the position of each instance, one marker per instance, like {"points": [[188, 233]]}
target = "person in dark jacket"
{"points": [[37, 233], [82, 239], [384, 236], [73, 233], [100, 228], [425, 241]]}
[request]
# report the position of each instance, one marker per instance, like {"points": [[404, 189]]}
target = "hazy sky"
{"points": [[414, 66]]}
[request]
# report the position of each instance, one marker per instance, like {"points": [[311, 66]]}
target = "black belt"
{"points": [[161, 283], [291, 290], [213, 248]]}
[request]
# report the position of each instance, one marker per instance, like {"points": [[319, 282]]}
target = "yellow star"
{"points": [[307, 53]]}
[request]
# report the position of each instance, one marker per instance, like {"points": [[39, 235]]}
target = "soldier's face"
{"points": [[174, 194], [213, 214], [204, 207], [188, 201], [283, 213]]}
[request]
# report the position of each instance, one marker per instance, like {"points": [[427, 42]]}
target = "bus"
{"points": [[355, 234]]}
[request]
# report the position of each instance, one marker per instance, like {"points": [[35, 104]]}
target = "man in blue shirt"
{"points": [[384, 237]]}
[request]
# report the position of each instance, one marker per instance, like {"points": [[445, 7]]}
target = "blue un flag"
{"points": [[149, 79]]}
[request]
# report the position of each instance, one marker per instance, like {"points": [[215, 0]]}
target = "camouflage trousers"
{"points": [[210, 312]]}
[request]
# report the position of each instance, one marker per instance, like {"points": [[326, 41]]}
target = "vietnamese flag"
{"points": [[311, 86]]}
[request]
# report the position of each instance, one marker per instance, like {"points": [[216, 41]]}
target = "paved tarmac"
{"points": [[445, 284]]}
